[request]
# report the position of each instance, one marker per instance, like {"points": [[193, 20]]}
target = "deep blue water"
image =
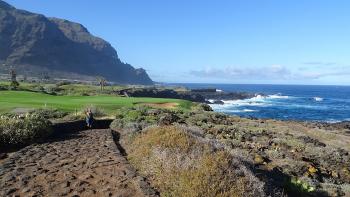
{"points": [[287, 102]]}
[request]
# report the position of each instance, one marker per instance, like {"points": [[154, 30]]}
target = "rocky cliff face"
{"points": [[35, 44]]}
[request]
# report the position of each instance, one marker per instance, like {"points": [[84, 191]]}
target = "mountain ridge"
{"points": [[34, 44]]}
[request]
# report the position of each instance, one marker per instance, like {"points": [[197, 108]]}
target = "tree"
{"points": [[102, 82], [44, 76], [14, 83]]}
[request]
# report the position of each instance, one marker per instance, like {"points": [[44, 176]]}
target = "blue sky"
{"points": [[226, 41]]}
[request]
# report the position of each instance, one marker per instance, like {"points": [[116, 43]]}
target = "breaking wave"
{"points": [[288, 102], [318, 98], [258, 100]]}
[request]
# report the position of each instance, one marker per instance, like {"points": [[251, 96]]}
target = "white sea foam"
{"points": [[249, 110], [333, 121], [272, 96], [307, 106], [278, 96], [258, 96], [218, 90], [245, 102], [211, 100], [318, 98], [236, 110], [258, 100]]}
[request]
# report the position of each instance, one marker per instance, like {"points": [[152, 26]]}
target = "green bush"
{"points": [[299, 187], [48, 113], [16, 131], [117, 124], [14, 85], [4, 86], [61, 83], [52, 89], [39, 88]]}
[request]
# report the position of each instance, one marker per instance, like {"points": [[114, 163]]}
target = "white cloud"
{"points": [[320, 63], [273, 72]]}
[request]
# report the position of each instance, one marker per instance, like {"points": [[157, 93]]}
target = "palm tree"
{"points": [[102, 81], [14, 83]]}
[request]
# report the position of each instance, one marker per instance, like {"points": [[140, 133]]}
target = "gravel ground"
{"points": [[87, 163]]}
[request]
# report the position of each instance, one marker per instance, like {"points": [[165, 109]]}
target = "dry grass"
{"points": [[180, 165], [161, 105]]}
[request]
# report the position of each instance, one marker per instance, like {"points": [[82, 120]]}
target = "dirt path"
{"points": [[87, 163]]}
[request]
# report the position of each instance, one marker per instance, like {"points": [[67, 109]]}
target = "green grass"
{"points": [[10, 100], [79, 89]]}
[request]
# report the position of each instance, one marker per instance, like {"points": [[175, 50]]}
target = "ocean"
{"points": [[286, 102]]}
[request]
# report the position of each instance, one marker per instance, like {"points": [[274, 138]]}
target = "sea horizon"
{"points": [[202, 83]]}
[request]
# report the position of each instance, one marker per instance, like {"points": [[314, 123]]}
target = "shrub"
{"points": [[4, 86], [133, 115], [117, 124], [61, 83], [98, 112], [14, 85], [39, 88], [299, 187], [52, 89], [202, 107], [74, 116], [168, 119], [16, 131], [179, 165], [48, 113]]}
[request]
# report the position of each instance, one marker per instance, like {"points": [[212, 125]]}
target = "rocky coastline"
{"points": [[289, 158], [208, 96]]}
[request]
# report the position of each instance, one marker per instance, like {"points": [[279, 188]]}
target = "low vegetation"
{"points": [[290, 158], [180, 165], [17, 131], [62, 88]]}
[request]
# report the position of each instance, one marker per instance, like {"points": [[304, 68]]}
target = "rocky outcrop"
{"points": [[202, 96], [161, 93], [37, 45], [218, 96]]}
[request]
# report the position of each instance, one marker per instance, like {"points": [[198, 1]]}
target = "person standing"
{"points": [[89, 118]]}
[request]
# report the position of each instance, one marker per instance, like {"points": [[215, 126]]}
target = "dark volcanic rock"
{"points": [[161, 93], [35, 44], [195, 96], [218, 102], [227, 95], [344, 125]]}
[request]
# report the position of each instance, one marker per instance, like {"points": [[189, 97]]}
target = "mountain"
{"points": [[35, 44]]}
